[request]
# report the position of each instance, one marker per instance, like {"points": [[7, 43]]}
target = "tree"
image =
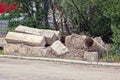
{"points": [[35, 9], [52, 6], [91, 16]]}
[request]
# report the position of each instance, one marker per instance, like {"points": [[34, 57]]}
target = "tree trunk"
{"points": [[53, 14], [46, 9]]}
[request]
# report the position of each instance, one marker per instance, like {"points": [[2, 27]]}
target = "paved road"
{"points": [[16, 69]]}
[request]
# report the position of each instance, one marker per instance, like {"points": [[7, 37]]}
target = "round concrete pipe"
{"points": [[88, 42], [93, 45]]}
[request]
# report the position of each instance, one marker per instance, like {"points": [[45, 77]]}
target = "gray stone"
{"points": [[59, 48], [75, 41], [99, 40], [75, 44], [50, 35], [24, 50], [91, 56], [94, 46], [28, 39]]}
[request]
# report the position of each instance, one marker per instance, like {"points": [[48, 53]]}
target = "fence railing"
{"points": [[3, 31], [3, 27]]}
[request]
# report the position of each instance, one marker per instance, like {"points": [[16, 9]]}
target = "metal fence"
{"points": [[3, 31], [3, 27]]}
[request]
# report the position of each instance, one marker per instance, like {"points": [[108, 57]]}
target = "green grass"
{"points": [[111, 58], [1, 52]]}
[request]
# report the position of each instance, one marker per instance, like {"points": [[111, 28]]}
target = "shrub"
{"points": [[27, 22]]}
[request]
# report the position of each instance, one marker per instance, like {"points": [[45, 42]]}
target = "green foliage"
{"points": [[27, 22], [33, 23], [88, 16], [114, 53], [13, 25], [1, 51], [112, 10], [26, 6], [111, 58], [97, 18], [116, 40], [11, 15]]}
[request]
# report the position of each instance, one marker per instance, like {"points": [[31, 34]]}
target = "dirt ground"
{"points": [[17, 69]]}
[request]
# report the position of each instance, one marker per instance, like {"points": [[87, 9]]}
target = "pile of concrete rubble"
{"points": [[26, 41]]}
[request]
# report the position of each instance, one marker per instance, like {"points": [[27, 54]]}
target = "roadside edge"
{"points": [[62, 60]]}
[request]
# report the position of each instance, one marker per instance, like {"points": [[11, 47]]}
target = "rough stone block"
{"points": [[91, 56], [50, 35], [75, 44], [24, 50], [99, 40], [32, 40], [75, 41], [59, 48], [94, 46]]}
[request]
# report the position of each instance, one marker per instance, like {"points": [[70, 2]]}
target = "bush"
{"points": [[13, 25], [115, 47], [33, 23], [1, 52], [27, 22], [111, 58], [114, 53]]}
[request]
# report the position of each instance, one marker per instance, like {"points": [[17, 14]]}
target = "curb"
{"points": [[62, 60]]}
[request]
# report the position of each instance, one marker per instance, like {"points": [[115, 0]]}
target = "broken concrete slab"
{"points": [[91, 56], [75, 44], [32, 40], [93, 45], [59, 48], [57, 33], [50, 35], [99, 40], [75, 54], [24, 50], [75, 41]]}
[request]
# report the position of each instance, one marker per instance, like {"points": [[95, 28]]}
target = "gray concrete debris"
{"points": [[50, 35], [59, 48], [91, 56], [24, 50], [28, 39]]}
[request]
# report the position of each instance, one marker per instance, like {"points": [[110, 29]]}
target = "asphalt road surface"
{"points": [[16, 69]]}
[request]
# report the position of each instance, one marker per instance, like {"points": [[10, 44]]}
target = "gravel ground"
{"points": [[17, 69]]}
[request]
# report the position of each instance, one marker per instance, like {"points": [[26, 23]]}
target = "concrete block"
{"points": [[59, 48], [24, 50], [50, 35], [28, 39], [91, 56]]}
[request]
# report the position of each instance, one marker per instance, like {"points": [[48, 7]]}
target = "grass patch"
{"points": [[111, 58], [1, 52]]}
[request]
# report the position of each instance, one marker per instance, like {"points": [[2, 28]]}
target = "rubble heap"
{"points": [[26, 41]]}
